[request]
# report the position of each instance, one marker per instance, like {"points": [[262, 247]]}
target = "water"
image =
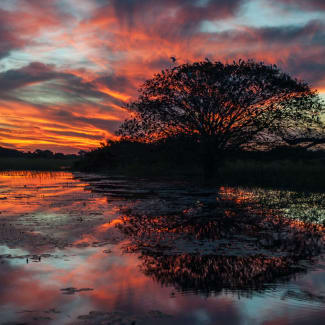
{"points": [[88, 249]]}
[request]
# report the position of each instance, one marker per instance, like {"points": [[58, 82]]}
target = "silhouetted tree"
{"points": [[223, 107]]}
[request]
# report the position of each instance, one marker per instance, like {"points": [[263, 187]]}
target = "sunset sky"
{"points": [[67, 67]]}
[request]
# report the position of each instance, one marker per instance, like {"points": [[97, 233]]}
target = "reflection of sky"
{"points": [[119, 285], [117, 278], [91, 56], [293, 310]]}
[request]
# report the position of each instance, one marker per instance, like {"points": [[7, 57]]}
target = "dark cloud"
{"points": [[184, 14], [313, 5], [77, 134], [68, 117], [33, 73], [68, 86], [19, 27], [115, 82], [312, 33], [161, 63], [77, 88], [308, 66], [37, 72], [299, 50], [9, 40]]}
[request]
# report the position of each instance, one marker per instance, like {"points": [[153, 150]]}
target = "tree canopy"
{"points": [[228, 105]]}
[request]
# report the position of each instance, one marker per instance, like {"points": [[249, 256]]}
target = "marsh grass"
{"points": [[41, 164], [297, 205]]}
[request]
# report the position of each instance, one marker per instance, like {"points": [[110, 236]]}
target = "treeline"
{"points": [[38, 153]]}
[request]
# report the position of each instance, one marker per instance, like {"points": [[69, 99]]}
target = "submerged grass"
{"points": [[41, 164]]}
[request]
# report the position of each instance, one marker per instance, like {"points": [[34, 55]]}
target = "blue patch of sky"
{"points": [[44, 93], [80, 9], [259, 13], [202, 3], [16, 60], [10, 5], [53, 92], [67, 57]]}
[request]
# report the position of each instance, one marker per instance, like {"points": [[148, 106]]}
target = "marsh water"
{"points": [[89, 249]]}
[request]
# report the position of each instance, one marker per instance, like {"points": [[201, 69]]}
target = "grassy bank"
{"points": [[41, 164]]}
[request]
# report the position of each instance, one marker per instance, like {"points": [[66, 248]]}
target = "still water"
{"points": [[87, 249]]}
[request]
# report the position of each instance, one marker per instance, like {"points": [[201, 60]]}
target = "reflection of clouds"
{"points": [[35, 203], [25, 283], [117, 282], [218, 249]]}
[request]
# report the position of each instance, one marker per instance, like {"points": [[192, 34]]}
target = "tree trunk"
{"points": [[211, 162], [208, 166]]}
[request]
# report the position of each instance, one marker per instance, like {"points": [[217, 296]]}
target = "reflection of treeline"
{"points": [[257, 230], [282, 166], [210, 274], [233, 244]]}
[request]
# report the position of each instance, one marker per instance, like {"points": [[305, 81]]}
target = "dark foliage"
{"points": [[179, 158], [10, 153], [233, 104], [11, 159], [224, 107], [97, 159], [38, 153], [48, 154]]}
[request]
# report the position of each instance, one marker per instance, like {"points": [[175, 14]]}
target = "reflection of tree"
{"points": [[211, 273], [229, 244]]}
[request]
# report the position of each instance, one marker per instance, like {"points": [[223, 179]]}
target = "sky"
{"points": [[68, 67]]}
